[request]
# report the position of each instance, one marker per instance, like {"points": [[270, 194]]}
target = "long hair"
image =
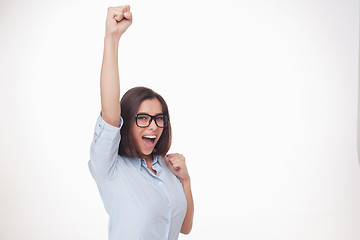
{"points": [[130, 104]]}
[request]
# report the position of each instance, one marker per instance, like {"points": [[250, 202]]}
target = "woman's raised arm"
{"points": [[117, 21]]}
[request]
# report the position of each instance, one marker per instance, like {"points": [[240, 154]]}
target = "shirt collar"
{"points": [[157, 159], [138, 161]]}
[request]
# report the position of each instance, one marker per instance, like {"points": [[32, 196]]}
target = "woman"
{"points": [[146, 193]]}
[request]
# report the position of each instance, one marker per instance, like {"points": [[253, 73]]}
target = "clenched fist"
{"points": [[176, 163], [118, 19]]}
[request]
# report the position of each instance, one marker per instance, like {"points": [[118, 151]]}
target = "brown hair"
{"points": [[130, 103]]}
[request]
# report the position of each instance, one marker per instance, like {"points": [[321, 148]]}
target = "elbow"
{"points": [[186, 231]]}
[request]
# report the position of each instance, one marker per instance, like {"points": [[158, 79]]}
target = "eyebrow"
{"points": [[149, 113]]}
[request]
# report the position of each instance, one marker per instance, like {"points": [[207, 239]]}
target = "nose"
{"points": [[153, 125]]}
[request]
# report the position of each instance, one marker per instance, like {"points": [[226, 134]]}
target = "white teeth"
{"points": [[149, 136]]}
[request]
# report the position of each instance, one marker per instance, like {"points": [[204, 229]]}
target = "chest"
{"points": [[141, 204], [141, 193]]}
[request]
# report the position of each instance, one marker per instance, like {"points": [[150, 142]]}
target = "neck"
{"points": [[148, 158]]}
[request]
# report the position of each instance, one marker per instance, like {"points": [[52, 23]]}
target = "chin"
{"points": [[147, 153]]}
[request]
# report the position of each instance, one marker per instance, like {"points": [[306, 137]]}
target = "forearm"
{"points": [[188, 220], [109, 80]]}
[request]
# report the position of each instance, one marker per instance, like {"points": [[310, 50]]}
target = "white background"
{"points": [[263, 103]]}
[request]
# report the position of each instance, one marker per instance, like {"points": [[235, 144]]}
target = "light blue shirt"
{"points": [[140, 204]]}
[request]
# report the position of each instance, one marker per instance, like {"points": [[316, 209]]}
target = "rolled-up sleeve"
{"points": [[104, 147]]}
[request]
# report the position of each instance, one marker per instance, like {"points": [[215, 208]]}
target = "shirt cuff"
{"points": [[104, 125]]}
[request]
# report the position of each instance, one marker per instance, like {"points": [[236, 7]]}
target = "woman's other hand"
{"points": [[176, 162]]}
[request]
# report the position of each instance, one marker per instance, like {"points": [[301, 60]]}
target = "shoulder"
{"points": [[162, 161]]}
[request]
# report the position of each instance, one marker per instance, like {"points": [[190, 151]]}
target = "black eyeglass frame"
{"points": [[152, 117]]}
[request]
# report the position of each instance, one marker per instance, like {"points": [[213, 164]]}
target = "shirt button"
{"points": [[160, 183]]}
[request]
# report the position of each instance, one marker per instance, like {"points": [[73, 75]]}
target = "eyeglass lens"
{"points": [[144, 120]]}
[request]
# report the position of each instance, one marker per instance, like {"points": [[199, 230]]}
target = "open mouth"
{"points": [[149, 141]]}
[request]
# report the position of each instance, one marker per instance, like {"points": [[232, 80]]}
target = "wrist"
{"points": [[112, 40], [185, 181]]}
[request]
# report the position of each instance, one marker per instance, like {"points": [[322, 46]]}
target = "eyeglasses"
{"points": [[144, 120]]}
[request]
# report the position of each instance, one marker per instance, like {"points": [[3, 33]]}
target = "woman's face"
{"points": [[147, 137]]}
